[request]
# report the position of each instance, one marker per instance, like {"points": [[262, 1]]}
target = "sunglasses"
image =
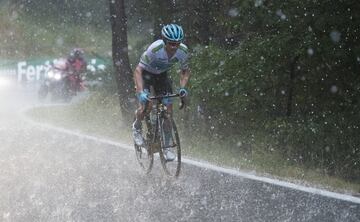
{"points": [[173, 43]]}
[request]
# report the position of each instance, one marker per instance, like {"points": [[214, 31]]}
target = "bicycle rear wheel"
{"points": [[144, 153], [169, 139]]}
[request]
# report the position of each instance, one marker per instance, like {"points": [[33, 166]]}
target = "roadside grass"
{"points": [[100, 115], [265, 163], [96, 115]]}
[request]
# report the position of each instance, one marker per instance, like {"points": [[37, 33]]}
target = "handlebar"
{"points": [[182, 103], [164, 96]]}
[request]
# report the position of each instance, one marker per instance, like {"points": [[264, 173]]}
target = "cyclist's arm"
{"points": [[145, 60], [184, 77], [138, 79], [184, 66]]}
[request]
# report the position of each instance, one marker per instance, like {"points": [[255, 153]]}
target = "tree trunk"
{"points": [[291, 86], [204, 26], [123, 74]]}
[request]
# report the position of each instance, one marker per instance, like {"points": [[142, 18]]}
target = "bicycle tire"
{"points": [[144, 153], [171, 168]]}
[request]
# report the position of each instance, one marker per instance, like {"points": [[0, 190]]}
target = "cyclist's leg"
{"points": [[162, 86], [139, 116], [140, 112], [148, 80]]}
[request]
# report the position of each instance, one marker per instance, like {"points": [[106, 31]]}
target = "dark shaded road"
{"points": [[46, 175]]}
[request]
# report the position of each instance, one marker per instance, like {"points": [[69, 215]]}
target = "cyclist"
{"points": [[152, 69], [76, 67]]}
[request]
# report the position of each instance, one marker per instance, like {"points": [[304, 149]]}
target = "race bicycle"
{"points": [[160, 135]]}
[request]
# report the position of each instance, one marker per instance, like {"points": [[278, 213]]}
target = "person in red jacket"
{"points": [[76, 67]]}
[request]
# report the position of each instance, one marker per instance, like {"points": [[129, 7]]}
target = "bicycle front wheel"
{"points": [[170, 152], [144, 153]]}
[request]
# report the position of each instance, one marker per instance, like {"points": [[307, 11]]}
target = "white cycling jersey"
{"points": [[155, 59]]}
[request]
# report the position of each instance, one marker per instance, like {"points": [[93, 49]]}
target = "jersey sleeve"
{"points": [[184, 62], [184, 57], [146, 58]]}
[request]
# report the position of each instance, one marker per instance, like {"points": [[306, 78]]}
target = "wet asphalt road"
{"points": [[46, 175]]}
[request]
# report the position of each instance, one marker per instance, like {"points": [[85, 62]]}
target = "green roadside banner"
{"points": [[33, 69]]}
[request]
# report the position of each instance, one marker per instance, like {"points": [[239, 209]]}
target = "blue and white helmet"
{"points": [[172, 32]]}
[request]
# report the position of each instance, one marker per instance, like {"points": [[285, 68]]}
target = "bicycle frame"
{"points": [[161, 111]]}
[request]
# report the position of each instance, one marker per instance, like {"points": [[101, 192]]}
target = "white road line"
{"points": [[317, 191]]}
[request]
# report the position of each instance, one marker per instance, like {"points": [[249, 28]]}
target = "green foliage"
{"points": [[90, 12], [25, 34], [239, 80], [305, 54]]}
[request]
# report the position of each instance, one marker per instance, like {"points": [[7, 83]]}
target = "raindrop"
{"points": [[334, 89], [59, 41], [91, 68], [310, 51], [233, 12], [335, 36], [258, 3], [280, 14], [101, 67]]}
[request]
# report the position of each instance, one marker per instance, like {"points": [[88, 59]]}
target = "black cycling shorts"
{"points": [[161, 83]]}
